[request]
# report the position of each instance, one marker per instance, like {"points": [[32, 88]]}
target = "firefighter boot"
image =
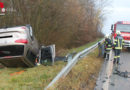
{"points": [[104, 55], [114, 62], [118, 60]]}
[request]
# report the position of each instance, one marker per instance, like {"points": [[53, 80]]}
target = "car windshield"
{"points": [[123, 27]]}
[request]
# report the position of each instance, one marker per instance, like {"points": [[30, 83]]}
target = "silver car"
{"points": [[18, 47]]}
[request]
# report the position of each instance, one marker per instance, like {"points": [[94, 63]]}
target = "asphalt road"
{"points": [[109, 79], [104, 75], [118, 81]]}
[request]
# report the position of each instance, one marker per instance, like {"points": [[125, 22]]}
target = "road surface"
{"points": [[118, 81], [108, 80]]}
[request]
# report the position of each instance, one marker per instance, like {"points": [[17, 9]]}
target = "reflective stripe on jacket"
{"points": [[108, 44], [118, 42]]}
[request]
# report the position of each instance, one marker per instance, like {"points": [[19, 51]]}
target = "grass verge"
{"points": [[83, 75], [35, 78], [78, 49], [32, 79]]}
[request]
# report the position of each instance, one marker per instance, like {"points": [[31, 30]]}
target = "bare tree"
{"points": [[67, 23]]}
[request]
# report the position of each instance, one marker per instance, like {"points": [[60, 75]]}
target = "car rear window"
{"points": [[14, 50]]}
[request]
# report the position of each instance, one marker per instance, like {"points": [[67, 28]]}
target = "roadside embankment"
{"points": [[37, 78], [84, 74]]}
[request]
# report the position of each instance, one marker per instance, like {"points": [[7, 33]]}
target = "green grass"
{"points": [[83, 47], [35, 78], [78, 49], [32, 79]]}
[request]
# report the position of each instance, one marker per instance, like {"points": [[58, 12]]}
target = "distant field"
{"points": [[35, 78]]}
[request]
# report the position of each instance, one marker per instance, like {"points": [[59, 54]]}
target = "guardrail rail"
{"points": [[69, 66]]}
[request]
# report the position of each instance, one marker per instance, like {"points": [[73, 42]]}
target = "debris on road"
{"points": [[122, 74]]}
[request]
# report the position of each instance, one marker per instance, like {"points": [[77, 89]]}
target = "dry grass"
{"points": [[32, 79], [83, 76]]}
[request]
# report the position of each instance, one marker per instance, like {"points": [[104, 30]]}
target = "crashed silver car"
{"points": [[18, 47]]}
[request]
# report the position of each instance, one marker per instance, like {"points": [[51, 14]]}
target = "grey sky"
{"points": [[119, 10], [121, 3]]}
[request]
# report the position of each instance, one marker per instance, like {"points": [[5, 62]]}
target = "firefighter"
{"points": [[108, 46], [118, 43]]}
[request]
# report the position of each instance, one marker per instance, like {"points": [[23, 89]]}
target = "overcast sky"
{"points": [[118, 10]]}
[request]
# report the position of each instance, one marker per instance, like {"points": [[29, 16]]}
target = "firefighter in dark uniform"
{"points": [[108, 47], [118, 43]]}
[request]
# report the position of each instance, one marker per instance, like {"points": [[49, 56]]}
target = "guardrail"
{"points": [[69, 66]]}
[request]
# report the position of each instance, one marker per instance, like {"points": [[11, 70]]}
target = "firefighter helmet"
{"points": [[118, 32]]}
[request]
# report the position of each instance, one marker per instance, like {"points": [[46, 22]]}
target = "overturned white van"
{"points": [[19, 48]]}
